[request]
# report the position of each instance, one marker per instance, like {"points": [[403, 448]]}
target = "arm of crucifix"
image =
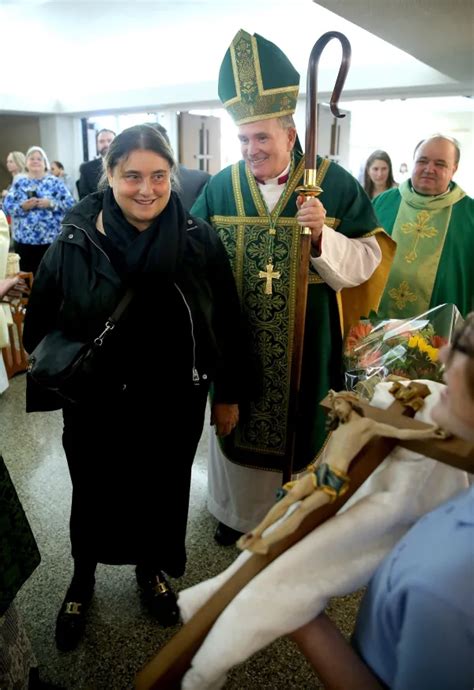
{"points": [[381, 429]]}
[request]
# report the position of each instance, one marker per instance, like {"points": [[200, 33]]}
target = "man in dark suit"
{"points": [[191, 182], [91, 171]]}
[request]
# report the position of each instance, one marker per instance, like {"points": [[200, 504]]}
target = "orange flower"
{"points": [[356, 334], [370, 359], [438, 341]]}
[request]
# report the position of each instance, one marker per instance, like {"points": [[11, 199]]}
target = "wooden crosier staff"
{"points": [[309, 189]]}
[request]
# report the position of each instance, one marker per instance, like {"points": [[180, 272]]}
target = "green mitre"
{"points": [[256, 80]]}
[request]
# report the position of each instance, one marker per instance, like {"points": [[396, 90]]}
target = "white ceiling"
{"points": [[73, 56], [437, 32]]}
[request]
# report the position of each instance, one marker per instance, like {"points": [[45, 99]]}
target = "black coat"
{"points": [[77, 289], [89, 176], [130, 457], [191, 184], [20, 554]]}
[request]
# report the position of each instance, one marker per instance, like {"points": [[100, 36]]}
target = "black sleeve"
{"points": [[45, 300], [83, 186]]}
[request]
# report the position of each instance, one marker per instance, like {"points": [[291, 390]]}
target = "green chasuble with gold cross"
{"points": [[434, 262], [263, 250]]}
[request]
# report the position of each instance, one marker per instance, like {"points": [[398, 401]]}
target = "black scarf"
{"points": [[152, 253]]}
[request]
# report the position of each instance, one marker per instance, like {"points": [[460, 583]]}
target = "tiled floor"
{"points": [[120, 637]]}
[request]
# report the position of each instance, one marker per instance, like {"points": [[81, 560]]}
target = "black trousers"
{"points": [[131, 485], [30, 255]]}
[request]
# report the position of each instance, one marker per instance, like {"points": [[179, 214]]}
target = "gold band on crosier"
{"points": [[309, 189], [310, 179]]}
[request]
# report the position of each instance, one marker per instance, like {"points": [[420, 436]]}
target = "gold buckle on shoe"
{"points": [[161, 588], [73, 607]]}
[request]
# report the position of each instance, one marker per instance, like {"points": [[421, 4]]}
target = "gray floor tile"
{"points": [[120, 637]]}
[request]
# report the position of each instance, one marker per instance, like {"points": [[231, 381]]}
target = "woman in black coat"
{"points": [[130, 448]]}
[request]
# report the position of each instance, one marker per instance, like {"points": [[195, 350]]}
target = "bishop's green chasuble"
{"points": [[263, 250], [435, 250]]}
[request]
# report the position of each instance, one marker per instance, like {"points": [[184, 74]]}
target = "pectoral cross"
{"points": [[269, 275]]}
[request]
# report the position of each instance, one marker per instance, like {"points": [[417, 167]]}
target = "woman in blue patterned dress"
{"points": [[37, 204]]}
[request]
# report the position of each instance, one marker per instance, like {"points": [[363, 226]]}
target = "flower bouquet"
{"points": [[409, 348]]}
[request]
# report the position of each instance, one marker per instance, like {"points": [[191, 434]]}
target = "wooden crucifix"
{"points": [[166, 670]]}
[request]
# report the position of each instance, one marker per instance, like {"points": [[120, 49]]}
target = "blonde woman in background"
{"points": [[16, 162], [5, 317]]}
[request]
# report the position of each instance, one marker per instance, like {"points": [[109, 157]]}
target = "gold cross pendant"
{"points": [[269, 275]]}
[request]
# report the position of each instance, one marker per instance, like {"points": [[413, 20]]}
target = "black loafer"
{"points": [[159, 598], [71, 622], [226, 536]]}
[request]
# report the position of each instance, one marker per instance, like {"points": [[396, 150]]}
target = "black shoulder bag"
{"points": [[72, 369]]}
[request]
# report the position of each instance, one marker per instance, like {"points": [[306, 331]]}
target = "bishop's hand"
{"points": [[311, 214], [224, 417]]}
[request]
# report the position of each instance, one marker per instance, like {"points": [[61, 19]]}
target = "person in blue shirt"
{"points": [[36, 203], [415, 627]]}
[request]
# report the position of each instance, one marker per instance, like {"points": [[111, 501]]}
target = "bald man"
{"points": [[432, 220]]}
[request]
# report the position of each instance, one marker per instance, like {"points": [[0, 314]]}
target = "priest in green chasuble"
{"points": [[255, 209], [432, 221]]}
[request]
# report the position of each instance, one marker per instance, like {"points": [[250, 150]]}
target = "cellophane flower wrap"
{"points": [[409, 348]]}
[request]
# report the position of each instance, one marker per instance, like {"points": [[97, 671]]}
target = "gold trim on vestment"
{"points": [[263, 218], [333, 223], [251, 118], [315, 279], [239, 254], [357, 302], [252, 101]]}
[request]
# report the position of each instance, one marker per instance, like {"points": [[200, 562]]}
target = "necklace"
{"points": [[269, 274]]}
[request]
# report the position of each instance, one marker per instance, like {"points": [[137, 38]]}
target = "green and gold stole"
{"points": [[419, 230]]}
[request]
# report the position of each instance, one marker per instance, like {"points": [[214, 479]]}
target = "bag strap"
{"points": [[115, 317], [122, 305]]}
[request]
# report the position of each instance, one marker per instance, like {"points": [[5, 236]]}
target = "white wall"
{"points": [[112, 54], [393, 125], [61, 138], [396, 126]]}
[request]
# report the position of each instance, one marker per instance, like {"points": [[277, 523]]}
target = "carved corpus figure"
{"points": [[328, 480]]}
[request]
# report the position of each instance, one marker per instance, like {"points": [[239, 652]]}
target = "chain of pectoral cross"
{"points": [[269, 275]]}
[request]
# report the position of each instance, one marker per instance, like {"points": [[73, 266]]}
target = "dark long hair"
{"points": [[368, 184], [137, 138]]}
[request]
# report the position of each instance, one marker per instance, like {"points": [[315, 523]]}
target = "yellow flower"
{"points": [[415, 340], [432, 353], [419, 342]]}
